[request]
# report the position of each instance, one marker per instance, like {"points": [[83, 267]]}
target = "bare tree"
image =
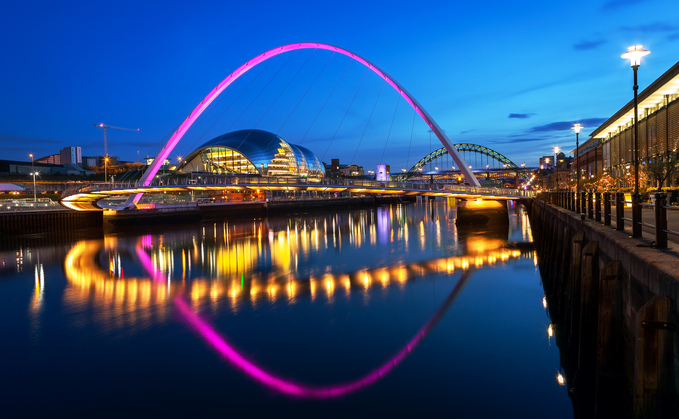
{"points": [[660, 171]]}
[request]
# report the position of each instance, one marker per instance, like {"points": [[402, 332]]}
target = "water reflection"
{"points": [[135, 281]]}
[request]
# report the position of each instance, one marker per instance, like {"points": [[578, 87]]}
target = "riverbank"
{"points": [[61, 221], [612, 301]]}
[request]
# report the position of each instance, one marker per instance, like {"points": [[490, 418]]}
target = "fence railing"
{"points": [[215, 181], [589, 204]]}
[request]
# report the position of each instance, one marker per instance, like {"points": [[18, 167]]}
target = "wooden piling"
{"points": [[655, 356]]}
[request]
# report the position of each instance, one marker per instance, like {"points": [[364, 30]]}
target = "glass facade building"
{"points": [[253, 152]]}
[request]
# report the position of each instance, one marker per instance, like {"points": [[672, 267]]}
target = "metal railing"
{"points": [[215, 181], [28, 204], [588, 204]]}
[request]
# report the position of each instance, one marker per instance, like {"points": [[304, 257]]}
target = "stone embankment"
{"points": [[612, 300]]}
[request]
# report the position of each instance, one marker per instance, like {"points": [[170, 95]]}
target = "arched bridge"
{"points": [[149, 174], [464, 147]]}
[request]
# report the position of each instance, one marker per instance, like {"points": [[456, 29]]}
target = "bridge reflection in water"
{"points": [[187, 272]]}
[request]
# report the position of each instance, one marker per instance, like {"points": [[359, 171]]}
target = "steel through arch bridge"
{"points": [[148, 175], [462, 147]]}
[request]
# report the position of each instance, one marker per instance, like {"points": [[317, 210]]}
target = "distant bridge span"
{"points": [[151, 171], [415, 170]]}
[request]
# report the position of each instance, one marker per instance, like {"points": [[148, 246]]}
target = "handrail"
{"points": [[570, 202]]}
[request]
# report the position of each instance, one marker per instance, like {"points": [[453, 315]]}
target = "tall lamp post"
{"points": [[556, 167], [634, 54], [35, 198], [577, 128], [33, 173]]}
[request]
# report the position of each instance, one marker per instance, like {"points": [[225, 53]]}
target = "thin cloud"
{"points": [[518, 140], [657, 27], [566, 125], [9, 138], [619, 4], [466, 132], [587, 45], [520, 115]]}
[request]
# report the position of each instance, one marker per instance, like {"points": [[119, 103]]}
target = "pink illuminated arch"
{"points": [[283, 384], [198, 110]]}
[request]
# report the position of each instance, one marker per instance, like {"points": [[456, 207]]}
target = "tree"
{"points": [[659, 171], [606, 182]]}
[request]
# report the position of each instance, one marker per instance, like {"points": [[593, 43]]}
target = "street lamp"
{"points": [[35, 198], [556, 169], [577, 128], [105, 168], [634, 54]]}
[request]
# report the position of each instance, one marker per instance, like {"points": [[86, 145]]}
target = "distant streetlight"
{"points": [[577, 128], [557, 149], [634, 54], [35, 198], [105, 169], [436, 168]]}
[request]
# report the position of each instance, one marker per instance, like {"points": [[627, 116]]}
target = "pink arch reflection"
{"points": [[286, 386], [198, 110]]}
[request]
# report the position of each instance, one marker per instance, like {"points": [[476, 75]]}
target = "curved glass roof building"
{"points": [[253, 152]]}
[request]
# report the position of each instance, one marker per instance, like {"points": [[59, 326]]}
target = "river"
{"points": [[379, 312]]}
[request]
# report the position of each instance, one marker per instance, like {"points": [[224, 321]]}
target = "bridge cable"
{"points": [[276, 100], [326, 101], [390, 127], [157, 146], [411, 137], [346, 113], [260, 92], [305, 93], [367, 123], [193, 146]]}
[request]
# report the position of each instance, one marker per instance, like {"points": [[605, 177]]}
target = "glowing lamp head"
{"points": [[634, 54], [556, 150], [577, 128], [560, 379]]}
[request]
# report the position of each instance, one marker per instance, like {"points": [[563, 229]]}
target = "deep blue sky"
{"points": [[513, 76]]}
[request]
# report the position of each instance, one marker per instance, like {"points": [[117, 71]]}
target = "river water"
{"points": [[379, 312]]}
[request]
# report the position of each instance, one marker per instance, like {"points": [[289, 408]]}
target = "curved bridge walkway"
{"points": [[85, 198]]}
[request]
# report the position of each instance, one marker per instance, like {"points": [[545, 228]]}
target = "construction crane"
{"points": [[106, 127]]}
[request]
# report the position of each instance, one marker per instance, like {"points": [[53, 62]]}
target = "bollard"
{"points": [[636, 215], [619, 211], [660, 220], [607, 208], [597, 206], [590, 205]]}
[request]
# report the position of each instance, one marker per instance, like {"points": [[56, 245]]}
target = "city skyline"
{"points": [[514, 80]]}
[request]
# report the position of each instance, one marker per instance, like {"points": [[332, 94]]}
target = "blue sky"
{"points": [[512, 76]]}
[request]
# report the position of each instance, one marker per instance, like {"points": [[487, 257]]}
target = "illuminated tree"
{"points": [[660, 171], [606, 182]]}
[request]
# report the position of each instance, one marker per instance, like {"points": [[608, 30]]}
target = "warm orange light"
{"points": [[560, 379]]}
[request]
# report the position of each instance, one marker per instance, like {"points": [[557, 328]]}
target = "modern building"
{"points": [[253, 152], [658, 129], [51, 159], [72, 155]]}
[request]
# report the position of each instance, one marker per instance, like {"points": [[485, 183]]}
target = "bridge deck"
{"points": [[85, 197]]}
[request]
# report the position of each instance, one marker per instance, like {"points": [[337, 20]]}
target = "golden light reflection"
{"points": [[544, 301], [550, 331], [128, 299]]}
